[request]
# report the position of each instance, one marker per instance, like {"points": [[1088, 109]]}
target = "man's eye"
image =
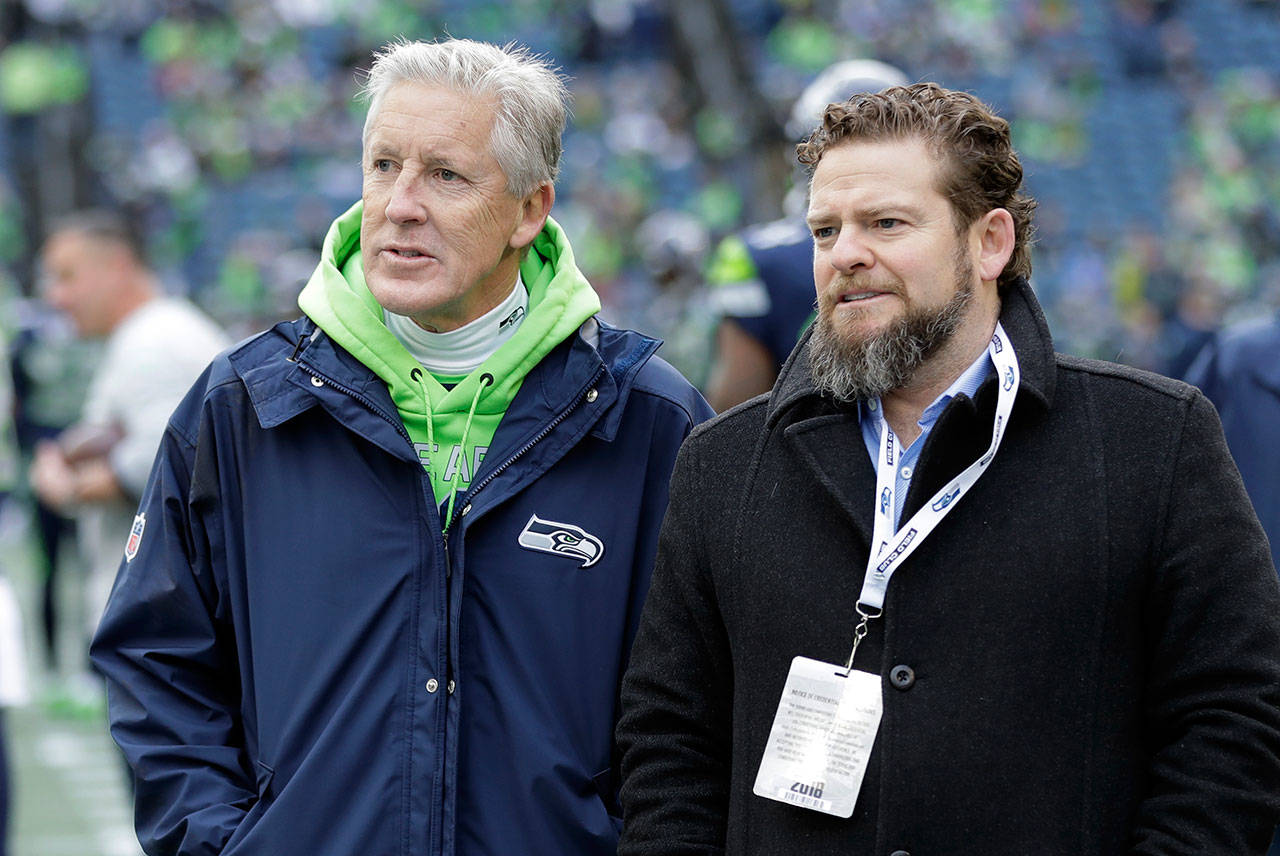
{"points": [[886, 223], [824, 232], [382, 165], [448, 175]]}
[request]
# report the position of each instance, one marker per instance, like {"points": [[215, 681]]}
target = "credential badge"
{"points": [[561, 539], [135, 537]]}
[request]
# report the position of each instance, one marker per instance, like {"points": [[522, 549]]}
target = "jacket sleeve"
{"points": [[171, 672], [675, 729], [1213, 678]]}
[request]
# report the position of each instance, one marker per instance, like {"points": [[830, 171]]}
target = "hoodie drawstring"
{"points": [[417, 375], [486, 379]]}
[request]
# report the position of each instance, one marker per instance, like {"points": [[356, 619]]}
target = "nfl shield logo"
{"points": [[135, 537]]}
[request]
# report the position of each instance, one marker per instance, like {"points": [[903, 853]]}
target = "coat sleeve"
{"points": [[1213, 680], [171, 670], [675, 729]]}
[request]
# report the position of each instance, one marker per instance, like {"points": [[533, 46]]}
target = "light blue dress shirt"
{"points": [[871, 418]]}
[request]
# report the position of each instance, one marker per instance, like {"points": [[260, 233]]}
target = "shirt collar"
{"points": [[967, 383]]}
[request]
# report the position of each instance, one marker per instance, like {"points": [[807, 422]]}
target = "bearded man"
{"points": [[943, 591]]}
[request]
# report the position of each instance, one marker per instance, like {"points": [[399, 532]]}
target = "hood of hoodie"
{"points": [[451, 428]]}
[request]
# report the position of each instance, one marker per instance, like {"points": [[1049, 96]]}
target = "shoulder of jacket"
{"points": [[661, 380], [225, 374], [1249, 343], [259, 361], [255, 350], [784, 232], [745, 420], [1126, 379]]}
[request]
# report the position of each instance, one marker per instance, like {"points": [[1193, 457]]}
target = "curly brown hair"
{"points": [[980, 170]]}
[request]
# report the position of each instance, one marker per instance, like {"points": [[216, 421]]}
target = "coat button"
{"points": [[450, 686], [315, 381], [899, 853], [592, 395], [433, 685], [902, 677]]}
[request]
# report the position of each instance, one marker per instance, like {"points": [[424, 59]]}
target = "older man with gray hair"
{"points": [[385, 576]]}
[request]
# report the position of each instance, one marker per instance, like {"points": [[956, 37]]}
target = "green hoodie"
{"points": [[450, 428]]}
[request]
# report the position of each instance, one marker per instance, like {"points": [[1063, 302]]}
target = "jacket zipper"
{"points": [[395, 423], [367, 402], [546, 430], [523, 450]]}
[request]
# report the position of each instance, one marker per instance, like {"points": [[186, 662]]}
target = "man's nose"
{"points": [[851, 252], [407, 202]]}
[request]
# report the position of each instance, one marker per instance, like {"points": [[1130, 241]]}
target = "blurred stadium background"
{"points": [[1150, 132]]}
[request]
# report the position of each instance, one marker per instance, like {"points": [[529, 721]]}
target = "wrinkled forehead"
{"points": [[437, 103], [878, 167]]}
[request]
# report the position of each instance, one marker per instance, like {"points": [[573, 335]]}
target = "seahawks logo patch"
{"points": [[561, 539]]}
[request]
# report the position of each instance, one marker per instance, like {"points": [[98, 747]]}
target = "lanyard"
{"points": [[895, 546]]}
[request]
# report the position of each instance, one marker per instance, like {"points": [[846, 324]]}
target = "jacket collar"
{"points": [[1022, 318], [280, 371], [267, 365]]}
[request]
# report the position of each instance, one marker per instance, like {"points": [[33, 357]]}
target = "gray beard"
{"points": [[870, 367]]}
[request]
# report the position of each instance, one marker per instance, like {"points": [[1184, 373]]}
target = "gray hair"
{"points": [[533, 102]]}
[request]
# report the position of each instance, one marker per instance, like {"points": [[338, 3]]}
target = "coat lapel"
{"points": [[825, 438], [830, 447]]}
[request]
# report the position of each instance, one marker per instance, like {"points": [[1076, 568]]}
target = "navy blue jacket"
{"points": [[300, 662], [1239, 371]]}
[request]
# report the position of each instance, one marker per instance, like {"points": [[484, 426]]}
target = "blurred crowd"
{"points": [[1149, 131]]}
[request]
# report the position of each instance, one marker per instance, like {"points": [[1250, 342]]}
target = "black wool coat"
{"points": [[1092, 634]]}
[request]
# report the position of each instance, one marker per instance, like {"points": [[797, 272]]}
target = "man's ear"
{"points": [[533, 215], [993, 233]]}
